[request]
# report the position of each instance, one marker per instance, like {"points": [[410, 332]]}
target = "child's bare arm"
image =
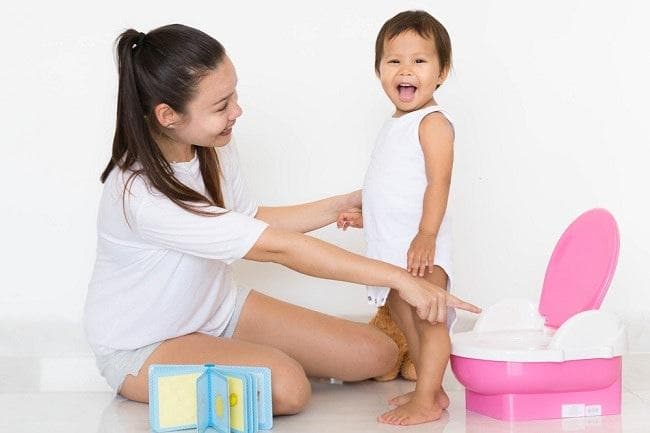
{"points": [[437, 141]]}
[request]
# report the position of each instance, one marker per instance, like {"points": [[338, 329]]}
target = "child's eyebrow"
{"points": [[423, 53]]}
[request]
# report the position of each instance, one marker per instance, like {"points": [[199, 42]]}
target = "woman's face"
{"points": [[211, 114]]}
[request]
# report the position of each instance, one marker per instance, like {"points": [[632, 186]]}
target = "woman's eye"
{"points": [[222, 109]]}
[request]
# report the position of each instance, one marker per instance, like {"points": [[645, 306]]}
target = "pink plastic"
{"points": [[577, 278], [581, 267], [518, 391]]}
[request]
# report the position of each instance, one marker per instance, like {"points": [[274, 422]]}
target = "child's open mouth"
{"points": [[406, 92]]}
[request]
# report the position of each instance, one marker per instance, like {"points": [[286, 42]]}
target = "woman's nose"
{"points": [[236, 112]]}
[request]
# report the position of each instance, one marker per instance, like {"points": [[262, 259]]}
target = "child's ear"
{"points": [[443, 76]]}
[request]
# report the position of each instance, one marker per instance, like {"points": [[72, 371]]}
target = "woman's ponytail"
{"points": [[163, 66]]}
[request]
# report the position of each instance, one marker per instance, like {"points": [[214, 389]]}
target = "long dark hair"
{"points": [[162, 66]]}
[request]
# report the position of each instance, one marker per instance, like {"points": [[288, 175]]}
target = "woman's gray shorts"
{"points": [[115, 366]]}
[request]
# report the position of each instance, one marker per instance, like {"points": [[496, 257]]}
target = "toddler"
{"points": [[405, 197]]}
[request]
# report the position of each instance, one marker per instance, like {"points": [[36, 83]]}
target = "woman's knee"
{"points": [[291, 387], [378, 354]]}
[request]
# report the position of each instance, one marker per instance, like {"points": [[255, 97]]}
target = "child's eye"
{"points": [[393, 61], [420, 61]]}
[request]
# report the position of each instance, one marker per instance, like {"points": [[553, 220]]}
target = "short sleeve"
{"points": [[225, 237], [238, 196]]}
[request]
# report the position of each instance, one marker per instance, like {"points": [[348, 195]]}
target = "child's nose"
{"points": [[405, 70]]}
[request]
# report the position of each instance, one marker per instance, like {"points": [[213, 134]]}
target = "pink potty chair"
{"points": [[562, 359]]}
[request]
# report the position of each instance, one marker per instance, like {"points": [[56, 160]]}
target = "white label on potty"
{"points": [[573, 410], [594, 410]]}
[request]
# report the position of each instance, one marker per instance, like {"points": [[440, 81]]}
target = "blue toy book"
{"points": [[225, 398]]}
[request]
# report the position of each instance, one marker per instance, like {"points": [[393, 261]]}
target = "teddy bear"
{"points": [[404, 366]]}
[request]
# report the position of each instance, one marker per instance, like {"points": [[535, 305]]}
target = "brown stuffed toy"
{"points": [[404, 365]]}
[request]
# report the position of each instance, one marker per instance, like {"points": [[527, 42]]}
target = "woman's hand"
{"points": [[349, 211], [311, 256], [350, 218], [430, 301], [421, 254]]}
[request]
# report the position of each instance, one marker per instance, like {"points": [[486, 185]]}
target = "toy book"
{"points": [[227, 399]]}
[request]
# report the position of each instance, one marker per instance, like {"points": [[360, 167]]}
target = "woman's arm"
{"points": [[309, 216], [314, 257]]}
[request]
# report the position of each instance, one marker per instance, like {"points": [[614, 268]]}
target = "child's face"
{"points": [[211, 114], [410, 71]]}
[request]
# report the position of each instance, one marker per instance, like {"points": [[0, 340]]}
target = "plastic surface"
{"points": [[581, 267], [510, 314], [525, 391], [565, 359], [590, 334]]}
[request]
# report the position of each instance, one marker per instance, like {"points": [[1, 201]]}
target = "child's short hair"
{"points": [[423, 24]]}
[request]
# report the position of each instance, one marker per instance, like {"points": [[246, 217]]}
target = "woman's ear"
{"points": [[165, 115]]}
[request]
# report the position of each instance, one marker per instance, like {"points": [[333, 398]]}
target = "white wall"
{"points": [[549, 100]]}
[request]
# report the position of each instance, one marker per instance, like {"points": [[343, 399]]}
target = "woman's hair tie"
{"points": [[140, 40]]}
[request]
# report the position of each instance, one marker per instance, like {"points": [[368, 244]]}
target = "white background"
{"points": [[550, 108]]}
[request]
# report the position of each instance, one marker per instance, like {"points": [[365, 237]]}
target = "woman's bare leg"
{"points": [[431, 354], [290, 387], [325, 346], [293, 341]]}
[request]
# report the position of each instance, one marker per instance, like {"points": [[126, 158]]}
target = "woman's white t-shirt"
{"points": [[161, 271]]}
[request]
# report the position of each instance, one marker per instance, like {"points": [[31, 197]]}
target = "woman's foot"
{"points": [[415, 411], [442, 399]]}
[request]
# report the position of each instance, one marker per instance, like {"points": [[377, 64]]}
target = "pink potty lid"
{"points": [[581, 267]]}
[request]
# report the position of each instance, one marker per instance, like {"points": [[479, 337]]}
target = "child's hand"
{"points": [[350, 218], [421, 254]]}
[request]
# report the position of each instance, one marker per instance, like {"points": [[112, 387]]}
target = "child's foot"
{"points": [[442, 399], [412, 412]]}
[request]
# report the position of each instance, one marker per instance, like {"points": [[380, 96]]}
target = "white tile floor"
{"points": [[56, 389], [340, 408]]}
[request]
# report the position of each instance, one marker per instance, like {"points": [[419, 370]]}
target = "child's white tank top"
{"points": [[393, 194]]}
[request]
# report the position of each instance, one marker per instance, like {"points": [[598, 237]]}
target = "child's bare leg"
{"points": [[402, 315], [439, 278], [432, 346]]}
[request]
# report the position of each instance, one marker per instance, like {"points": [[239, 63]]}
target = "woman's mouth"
{"points": [[406, 92], [226, 132]]}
